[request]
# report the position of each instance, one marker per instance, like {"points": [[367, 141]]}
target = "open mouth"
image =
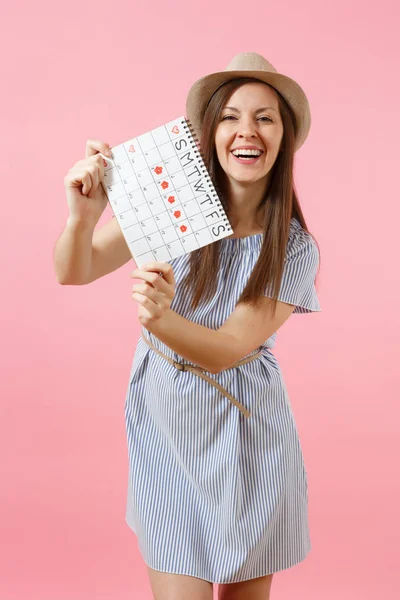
{"points": [[246, 156]]}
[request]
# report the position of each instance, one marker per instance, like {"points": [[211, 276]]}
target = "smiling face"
{"points": [[249, 133]]}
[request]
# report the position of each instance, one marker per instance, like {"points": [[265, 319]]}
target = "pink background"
{"points": [[112, 70]]}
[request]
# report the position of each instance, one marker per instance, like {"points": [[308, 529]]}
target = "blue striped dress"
{"points": [[211, 493]]}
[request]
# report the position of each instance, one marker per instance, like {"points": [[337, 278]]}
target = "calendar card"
{"points": [[162, 195]]}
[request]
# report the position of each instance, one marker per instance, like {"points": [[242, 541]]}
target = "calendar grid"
{"points": [[162, 195]]}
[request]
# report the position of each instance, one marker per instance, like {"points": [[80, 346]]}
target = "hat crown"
{"points": [[250, 61]]}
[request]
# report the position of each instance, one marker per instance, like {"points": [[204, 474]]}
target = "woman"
{"points": [[217, 489]]}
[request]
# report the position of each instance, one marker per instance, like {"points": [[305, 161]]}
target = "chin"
{"points": [[249, 178]]}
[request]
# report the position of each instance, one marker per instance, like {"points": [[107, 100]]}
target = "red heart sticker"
{"points": [[183, 228], [131, 148], [177, 214], [175, 129], [171, 199]]}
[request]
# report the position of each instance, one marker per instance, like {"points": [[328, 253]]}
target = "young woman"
{"points": [[217, 488]]}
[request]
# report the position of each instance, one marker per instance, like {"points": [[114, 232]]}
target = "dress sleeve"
{"points": [[300, 269]]}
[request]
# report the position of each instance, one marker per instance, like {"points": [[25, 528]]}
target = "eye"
{"points": [[230, 117]]}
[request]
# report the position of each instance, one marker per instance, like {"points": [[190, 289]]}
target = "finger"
{"points": [[86, 183], [74, 177], [140, 300], [96, 146], [154, 279], [164, 268], [147, 290], [145, 301], [94, 174]]}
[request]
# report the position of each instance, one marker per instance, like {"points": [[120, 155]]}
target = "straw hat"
{"points": [[250, 64]]}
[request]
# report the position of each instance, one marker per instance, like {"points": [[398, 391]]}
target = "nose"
{"points": [[247, 128]]}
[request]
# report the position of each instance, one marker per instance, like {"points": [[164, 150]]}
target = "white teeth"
{"points": [[243, 152]]}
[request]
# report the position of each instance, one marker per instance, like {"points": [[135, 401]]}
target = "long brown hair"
{"points": [[281, 204]]}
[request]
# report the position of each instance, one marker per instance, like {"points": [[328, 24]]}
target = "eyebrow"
{"points": [[257, 111]]}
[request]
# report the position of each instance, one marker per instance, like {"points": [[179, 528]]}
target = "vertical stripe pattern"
{"points": [[212, 494]]}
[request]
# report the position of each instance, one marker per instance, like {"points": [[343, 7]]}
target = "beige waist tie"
{"points": [[201, 373]]}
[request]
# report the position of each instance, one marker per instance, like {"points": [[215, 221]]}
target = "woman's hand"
{"points": [[156, 293], [85, 195]]}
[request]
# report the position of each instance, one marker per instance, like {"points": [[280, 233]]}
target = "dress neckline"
{"points": [[249, 242], [293, 221], [243, 237]]}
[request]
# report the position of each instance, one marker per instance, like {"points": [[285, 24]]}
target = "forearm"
{"points": [[73, 253], [208, 348]]}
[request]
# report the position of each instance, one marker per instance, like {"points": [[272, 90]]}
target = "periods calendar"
{"points": [[162, 195]]}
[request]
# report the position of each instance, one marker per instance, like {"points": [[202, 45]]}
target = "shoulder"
{"points": [[301, 242]]}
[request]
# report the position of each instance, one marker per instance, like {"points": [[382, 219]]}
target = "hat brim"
{"points": [[202, 90]]}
